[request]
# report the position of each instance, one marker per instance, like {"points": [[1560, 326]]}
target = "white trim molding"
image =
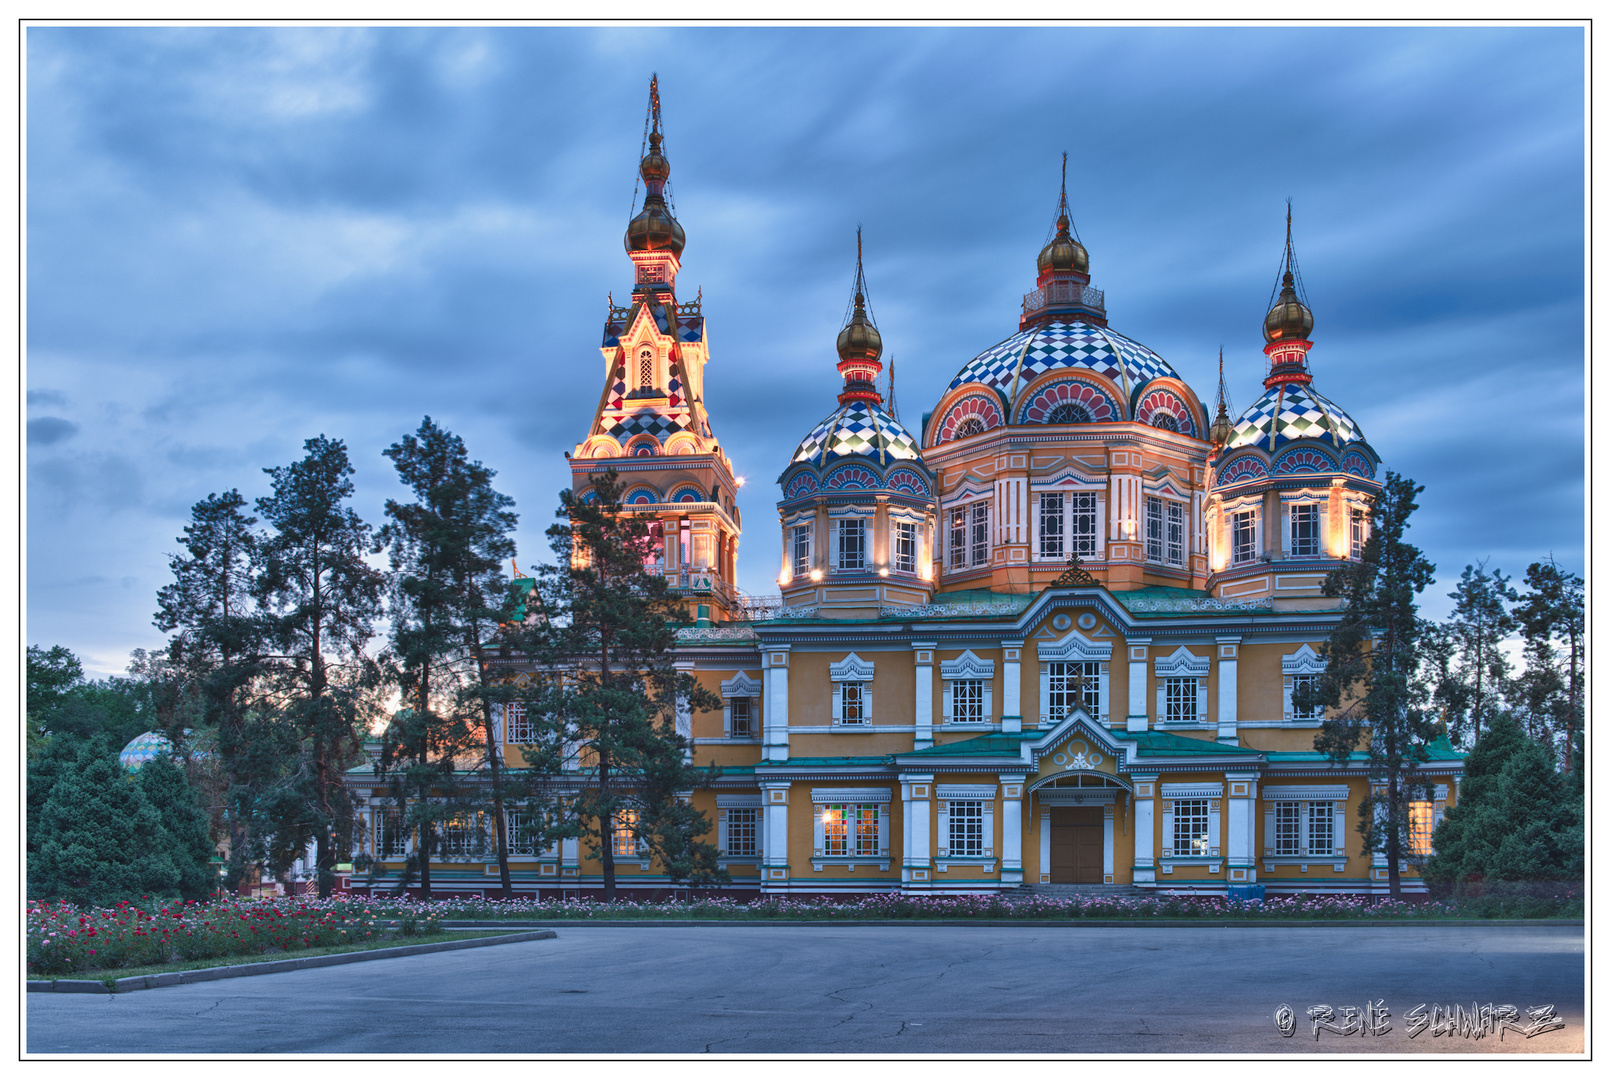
{"points": [[967, 666], [850, 795], [851, 669]]}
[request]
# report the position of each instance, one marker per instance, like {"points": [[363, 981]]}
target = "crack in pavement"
{"points": [[835, 994], [211, 1007]]}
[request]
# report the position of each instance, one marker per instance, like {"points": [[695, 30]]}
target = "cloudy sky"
{"points": [[240, 238]]}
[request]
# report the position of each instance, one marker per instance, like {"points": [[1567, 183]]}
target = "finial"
{"points": [[890, 403], [1219, 432], [861, 279]]}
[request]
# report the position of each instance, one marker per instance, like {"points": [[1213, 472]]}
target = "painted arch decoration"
{"points": [[687, 493], [1304, 460], [1069, 401], [1164, 409], [853, 478], [642, 495], [908, 482], [973, 415], [1246, 467], [803, 484], [1358, 464]]}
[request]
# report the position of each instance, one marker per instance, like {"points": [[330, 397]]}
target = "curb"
{"points": [[1419, 924], [271, 967]]}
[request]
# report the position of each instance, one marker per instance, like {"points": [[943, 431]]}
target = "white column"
{"points": [[1012, 831], [1226, 647], [685, 715], [923, 673], [916, 791], [1136, 720], [1011, 715], [775, 823], [1045, 843], [1144, 869], [1107, 844], [1242, 789], [775, 718]]}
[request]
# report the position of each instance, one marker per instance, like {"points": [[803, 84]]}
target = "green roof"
{"points": [[1168, 744], [996, 743], [876, 761]]}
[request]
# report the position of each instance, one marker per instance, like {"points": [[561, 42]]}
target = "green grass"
{"points": [[109, 975]]}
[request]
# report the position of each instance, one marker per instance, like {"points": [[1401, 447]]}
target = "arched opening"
{"points": [[1068, 413], [971, 426], [1166, 421]]}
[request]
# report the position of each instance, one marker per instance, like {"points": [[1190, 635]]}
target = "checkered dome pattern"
{"points": [[1076, 345], [1291, 411], [650, 423], [143, 748], [859, 429]]}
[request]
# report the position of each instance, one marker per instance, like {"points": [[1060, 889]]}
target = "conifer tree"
{"points": [[1373, 683], [320, 600], [604, 634], [184, 824], [1551, 617], [1476, 672]]}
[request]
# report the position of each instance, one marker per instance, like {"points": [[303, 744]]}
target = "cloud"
{"points": [[47, 430]]}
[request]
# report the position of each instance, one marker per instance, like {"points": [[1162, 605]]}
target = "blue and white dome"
{"points": [[1075, 345], [143, 748], [857, 429], [1291, 411]]}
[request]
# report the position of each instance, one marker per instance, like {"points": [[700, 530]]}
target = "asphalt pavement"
{"points": [[904, 990]]}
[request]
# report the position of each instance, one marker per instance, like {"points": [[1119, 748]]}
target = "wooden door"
{"points": [[1076, 845]]}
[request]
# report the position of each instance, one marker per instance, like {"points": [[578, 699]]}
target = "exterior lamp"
{"points": [[816, 575], [884, 572]]}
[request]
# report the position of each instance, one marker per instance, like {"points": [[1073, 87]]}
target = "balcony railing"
{"points": [[1064, 294]]}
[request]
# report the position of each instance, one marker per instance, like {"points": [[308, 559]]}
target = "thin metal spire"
{"points": [[889, 399], [1289, 265]]}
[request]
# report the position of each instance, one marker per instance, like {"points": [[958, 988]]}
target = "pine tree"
{"points": [[605, 632], [1551, 617], [51, 674], [1373, 685], [1477, 672], [184, 823], [320, 600]]}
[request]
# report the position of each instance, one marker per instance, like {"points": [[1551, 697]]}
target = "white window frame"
{"points": [[1358, 531], [1182, 664], [1087, 545], [1174, 533], [979, 533], [854, 803], [1240, 555], [741, 687], [1302, 662], [737, 816], [403, 833], [1051, 526], [1308, 801], [855, 672], [1154, 529], [627, 843], [967, 671], [518, 727], [844, 529], [1315, 544], [800, 539], [1074, 648], [904, 542], [513, 823]]}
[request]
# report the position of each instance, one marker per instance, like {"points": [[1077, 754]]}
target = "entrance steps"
{"points": [[1086, 892]]}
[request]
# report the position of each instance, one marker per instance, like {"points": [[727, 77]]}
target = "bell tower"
{"points": [[650, 424]]}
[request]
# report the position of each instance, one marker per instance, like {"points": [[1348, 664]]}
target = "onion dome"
{"points": [[859, 340], [1064, 253], [1220, 431], [1290, 319], [654, 229]]}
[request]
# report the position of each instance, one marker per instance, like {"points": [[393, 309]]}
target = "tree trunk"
{"points": [[606, 834], [500, 835], [1393, 886]]}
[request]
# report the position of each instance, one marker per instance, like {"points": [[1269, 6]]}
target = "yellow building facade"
{"points": [[1049, 641]]}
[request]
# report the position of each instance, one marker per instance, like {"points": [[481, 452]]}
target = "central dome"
{"points": [[1077, 345]]}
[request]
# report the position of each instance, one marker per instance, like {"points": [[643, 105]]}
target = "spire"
{"points": [[889, 404], [1219, 433], [1289, 322], [654, 228], [1064, 253], [860, 344]]}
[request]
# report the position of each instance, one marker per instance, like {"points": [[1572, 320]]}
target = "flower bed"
{"points": [[63, 939]]}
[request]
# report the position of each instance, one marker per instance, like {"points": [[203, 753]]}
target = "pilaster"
{"points": [[1241, 870], [775, 849], [1226, 648], [775, 716], [917, 789], [923, 693], [1012, 831], [1011, 684], [1145, 868], [1137, 707]]}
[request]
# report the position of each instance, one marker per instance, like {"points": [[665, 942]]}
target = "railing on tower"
{"points": [[1064, 294]]}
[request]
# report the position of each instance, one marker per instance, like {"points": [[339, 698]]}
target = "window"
{"points": [[1191, 827], [1303, 683], [519, 840], [1051, 525], [1305, 519], [852, 543], [968, 702], [1305, 828], [655, 560], [1244, 544], [626, 832], [460, 836], [966, 831], [958, 546], [1073, 685], [1180, 700], [1082, 523], [981, 533], [851, 830], [1068, 413], [1423, 819], [1175, 534], [1155, 530], [971, 426], [742, 718], [391, 840], [800, 549], [645, 369], [518, 729], [1165, 422], [1358, 533], [836, 829], [853, 703], [866, 820], [742, 829], [904, 545]]}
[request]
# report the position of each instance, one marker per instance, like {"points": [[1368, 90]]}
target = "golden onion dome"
{"points": [[654, 229], [1289, 319], [859, 340], [654, 168], [1219, 432], [1064, 252]]}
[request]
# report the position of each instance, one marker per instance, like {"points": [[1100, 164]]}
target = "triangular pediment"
{"points": [[1096, 750]]}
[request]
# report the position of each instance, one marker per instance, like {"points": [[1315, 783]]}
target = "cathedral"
{"points": [[1049, 637]]}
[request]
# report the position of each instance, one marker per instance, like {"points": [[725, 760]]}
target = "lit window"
{"points": [[461, 836], [1051, 526], [1082, 523], [966, 831], [850, 829], [1191, 827], [518, 729], [835, 830], [905, 547], [391, 839], [1358, 532], [967, 701], [1305, 520], [645, 369], [1423, 819], [866, 830], [1302, 684], [1073, 685], [1244, 543], [981, 533], [852, 543], [1180, 700], [800, 549], [1155, 530], [626, 832], [742, 828], [1175, 534], [741, 717], [852, 703], [958, 546]]}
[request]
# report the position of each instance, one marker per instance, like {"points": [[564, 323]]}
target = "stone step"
{"points": [[1102, 891]]}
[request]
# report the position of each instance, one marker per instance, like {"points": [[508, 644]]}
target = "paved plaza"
{"points": [[857, 990]]}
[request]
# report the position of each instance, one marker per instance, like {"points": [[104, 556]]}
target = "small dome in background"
{"points": [[143, 748]]}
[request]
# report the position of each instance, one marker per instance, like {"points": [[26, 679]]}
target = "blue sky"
{"points": [[239, 238]]}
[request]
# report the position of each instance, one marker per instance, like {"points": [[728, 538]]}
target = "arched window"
{"points": [[1166, 421], [1068, 413], [971, 426], [645, 368]]}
